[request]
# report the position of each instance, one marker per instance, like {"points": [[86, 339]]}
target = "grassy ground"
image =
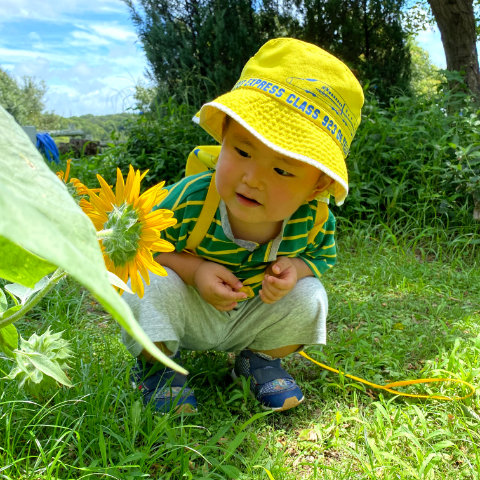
{"points": [[393, 315]]}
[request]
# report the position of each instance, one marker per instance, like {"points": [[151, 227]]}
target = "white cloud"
{"points": [[28, 58], [85, 39], [68, 101], [87, 53], [34, 37], [54, 10], [114, 32], [83, 72], [132, 64]]}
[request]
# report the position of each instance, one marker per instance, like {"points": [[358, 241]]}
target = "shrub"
{"points": [[417, 159], [158, 140], [414, 166]]}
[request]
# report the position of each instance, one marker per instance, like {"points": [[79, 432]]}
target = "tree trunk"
{"points": [[456, 22]]}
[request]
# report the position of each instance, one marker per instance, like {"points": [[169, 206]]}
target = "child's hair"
{"points": [[298, 100]]}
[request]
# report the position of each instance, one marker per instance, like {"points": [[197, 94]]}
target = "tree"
{"points": [[456, 22], [196, 48], [459, 25], [366, 34], [24, 101], [426, 77]]}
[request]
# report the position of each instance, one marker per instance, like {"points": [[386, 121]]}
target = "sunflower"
{"points": [[64, 175], [128, 229], [77, 186]]}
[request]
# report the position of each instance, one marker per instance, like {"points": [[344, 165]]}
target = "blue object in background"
{"points": [[48, 147]]}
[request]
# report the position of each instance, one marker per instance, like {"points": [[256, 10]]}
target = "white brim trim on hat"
{"points": [[274, 147]]}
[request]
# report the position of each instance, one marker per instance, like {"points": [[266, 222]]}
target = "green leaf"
{"points": [[8, 339], [47, 367], [41, 225], [270, 476], [9, 312], [24, 293], [20, 266], [230, 471], [3, 302]]}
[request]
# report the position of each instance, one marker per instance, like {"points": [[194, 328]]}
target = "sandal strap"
{"points": [[269, 373], [159, 380]]}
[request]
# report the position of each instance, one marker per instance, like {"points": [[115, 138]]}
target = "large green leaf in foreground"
{"points": [[42, 227]]}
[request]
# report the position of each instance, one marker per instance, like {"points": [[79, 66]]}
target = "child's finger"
{"points": [[275, 282], [239, 295], [269, 296], [271, 292], [281, 264], [231, 280], [226, 308], [226, 293], [265, 297]]}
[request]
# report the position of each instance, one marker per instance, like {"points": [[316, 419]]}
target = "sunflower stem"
{"points": [[106, 233], [35, 299]]}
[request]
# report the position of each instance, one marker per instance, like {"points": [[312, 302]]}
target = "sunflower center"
{"points": [[121, 245]]}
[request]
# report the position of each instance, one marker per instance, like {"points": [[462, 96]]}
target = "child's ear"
{"points": [[322, 184]]}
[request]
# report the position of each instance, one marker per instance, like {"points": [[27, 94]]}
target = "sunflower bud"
{"points": [[41, 361]]}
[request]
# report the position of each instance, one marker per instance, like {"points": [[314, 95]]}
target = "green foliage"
{"points": [[48, 121], [159, 140], [195, 54], [36, 208], [393, 315], [415, 163], [367, 35], [426, 77], [418, 14], [24, 101], [99, 127], [196, 49]]}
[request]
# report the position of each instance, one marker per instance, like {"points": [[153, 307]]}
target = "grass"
{"points": [[394, 314]]}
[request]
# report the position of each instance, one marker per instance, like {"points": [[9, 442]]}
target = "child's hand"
{"points": [[218, 286], [280, 277]]}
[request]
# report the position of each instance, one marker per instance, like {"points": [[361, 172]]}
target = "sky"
{"points": [[88, 53]]}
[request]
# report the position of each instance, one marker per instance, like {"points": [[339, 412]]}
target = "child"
{"points": [[247, 279]]}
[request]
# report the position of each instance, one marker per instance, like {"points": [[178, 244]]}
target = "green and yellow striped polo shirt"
{"points": [[244, 258]]}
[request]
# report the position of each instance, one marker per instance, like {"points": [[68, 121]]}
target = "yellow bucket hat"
{"points": [[298, 100]]}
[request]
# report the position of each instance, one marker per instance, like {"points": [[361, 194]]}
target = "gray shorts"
{"points": [[174, 313]]}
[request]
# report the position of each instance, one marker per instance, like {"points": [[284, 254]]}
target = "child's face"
{"points": [[258, 185]]}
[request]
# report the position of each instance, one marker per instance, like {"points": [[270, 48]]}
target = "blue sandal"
{"points": [[165, 387], [270, 384]]}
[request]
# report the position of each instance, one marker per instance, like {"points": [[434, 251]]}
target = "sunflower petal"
{"points": [[106, 192], [99, 203], [135, 190], [142, 176], [129, 182], [142, 268], [156, 268], [162, 246], [135, 280], [67, 170], [148, 199], [80, 188], [119, 189]]}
